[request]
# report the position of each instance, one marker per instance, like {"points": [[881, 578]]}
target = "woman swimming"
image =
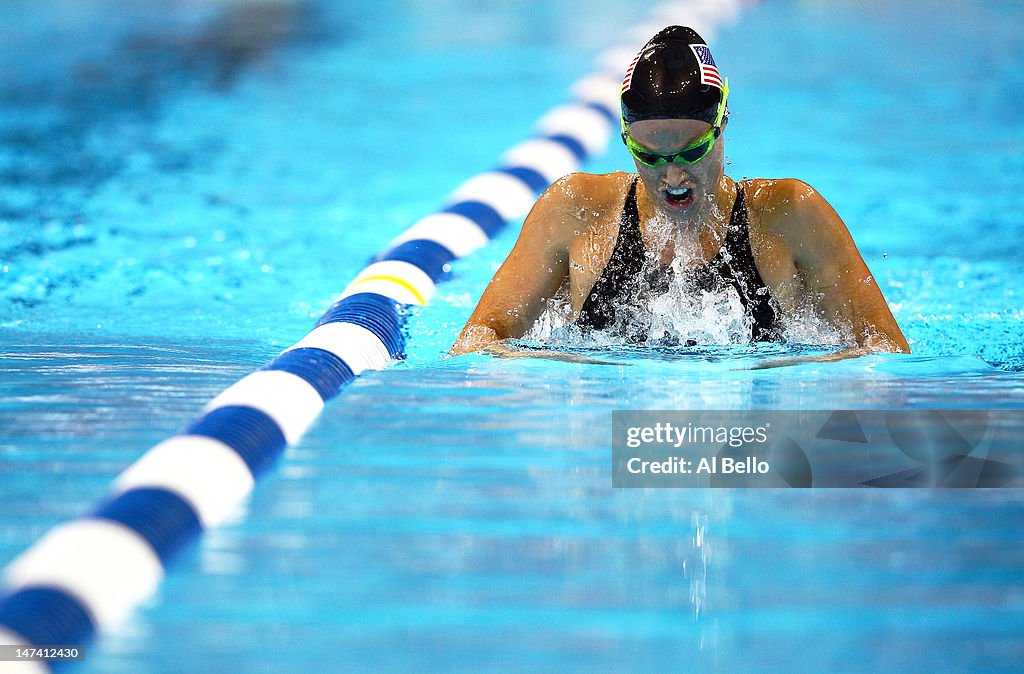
{"points": [[619, 241]]}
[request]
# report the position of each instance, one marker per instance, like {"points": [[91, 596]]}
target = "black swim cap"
{"points": [[673, 77]]}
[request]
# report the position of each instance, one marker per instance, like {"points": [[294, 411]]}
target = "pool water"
{"points": [[185, 188]]}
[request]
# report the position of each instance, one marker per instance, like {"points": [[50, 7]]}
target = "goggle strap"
{"points": [[723, 104]]}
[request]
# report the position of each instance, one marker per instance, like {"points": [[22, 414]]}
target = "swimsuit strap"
{"points": [[624, 265], [735, 262]]}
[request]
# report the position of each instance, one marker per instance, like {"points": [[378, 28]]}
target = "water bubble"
{"points": [[885, 256]]}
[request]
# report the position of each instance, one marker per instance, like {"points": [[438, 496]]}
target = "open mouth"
{"points": [[680, 197]]}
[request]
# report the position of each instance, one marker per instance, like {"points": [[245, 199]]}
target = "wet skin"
{"points": [[801, 246]]}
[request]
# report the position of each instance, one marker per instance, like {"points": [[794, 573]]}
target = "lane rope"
{"points": [[86, 576]]}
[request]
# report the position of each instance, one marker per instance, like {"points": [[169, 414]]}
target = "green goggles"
{"points": [[690, 154]]}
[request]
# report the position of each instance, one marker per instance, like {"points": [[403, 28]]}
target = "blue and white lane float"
{"points": [[88, 575]]}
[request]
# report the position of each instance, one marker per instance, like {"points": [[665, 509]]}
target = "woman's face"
{"points": [[678, 190]]}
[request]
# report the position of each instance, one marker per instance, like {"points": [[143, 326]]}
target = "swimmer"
{"points": [[777, 244]]}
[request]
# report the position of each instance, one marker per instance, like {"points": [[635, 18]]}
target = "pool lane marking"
{"points": [[9, 638], [416, 283], [289, 399], [549, 158], [505, 193], [205, 472], [457, 233], [106, 566], [417, 298], [354, 344], [87, 575]]}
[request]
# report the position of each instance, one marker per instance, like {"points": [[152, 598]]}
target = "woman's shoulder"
{"points": [[772, 190], [771, 193], [774, 201], [576, 204], [594, 187], [586, 198]]}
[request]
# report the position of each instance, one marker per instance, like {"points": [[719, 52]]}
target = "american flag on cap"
{"points": [[708, 70], [629, 74]]}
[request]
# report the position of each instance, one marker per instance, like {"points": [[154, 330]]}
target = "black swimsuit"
{"points": [[623, 277]]}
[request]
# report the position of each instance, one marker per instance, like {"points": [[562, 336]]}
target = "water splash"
{"points": [[679, 303], [695, 566]]}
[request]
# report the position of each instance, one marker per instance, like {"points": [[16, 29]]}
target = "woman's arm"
{"points": [[831, 272], [531, 274]]}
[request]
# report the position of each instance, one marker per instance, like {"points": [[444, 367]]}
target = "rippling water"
{"points": [[180, 200]]}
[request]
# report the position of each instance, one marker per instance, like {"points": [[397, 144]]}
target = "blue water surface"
{"points": [[184, 188]]}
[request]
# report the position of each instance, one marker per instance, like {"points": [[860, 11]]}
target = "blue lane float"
{"points": [[88, 575]]}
